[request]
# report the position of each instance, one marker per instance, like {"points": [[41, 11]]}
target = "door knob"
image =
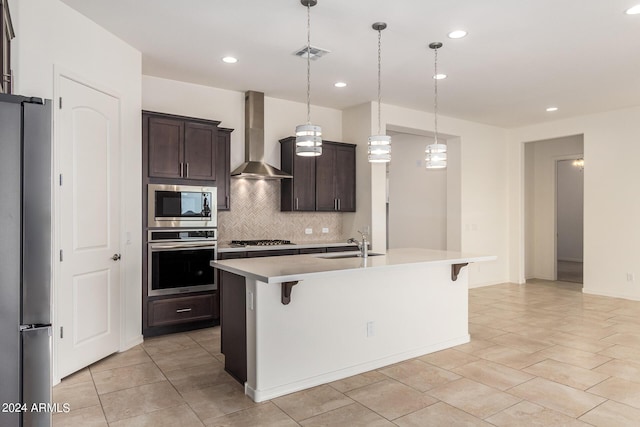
{"points": [[116, 257]]}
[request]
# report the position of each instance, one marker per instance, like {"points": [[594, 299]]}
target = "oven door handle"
{"points": [[160, 246]]}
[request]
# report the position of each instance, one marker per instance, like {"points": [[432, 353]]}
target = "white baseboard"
{"points": [[131, 343], [611, 294]]}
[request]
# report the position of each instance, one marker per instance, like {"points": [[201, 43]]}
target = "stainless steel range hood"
{"points": [[254, 166]]}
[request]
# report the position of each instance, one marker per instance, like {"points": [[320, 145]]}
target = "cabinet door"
{"points": [[304, 183], [345, 178], [223, 177], [200, 151], [325, 179], [165, 147]]}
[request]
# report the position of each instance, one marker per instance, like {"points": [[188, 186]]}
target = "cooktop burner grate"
{"points": [[262, 242]]}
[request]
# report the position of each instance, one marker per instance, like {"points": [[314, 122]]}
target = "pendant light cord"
{"points": [[379, 79], [308, 63], [435, 97]]}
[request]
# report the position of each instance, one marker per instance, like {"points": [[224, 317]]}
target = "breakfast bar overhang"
{"points": [[306, 320]]}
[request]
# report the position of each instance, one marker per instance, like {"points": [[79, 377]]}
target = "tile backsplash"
{"points": [[255, 214]]}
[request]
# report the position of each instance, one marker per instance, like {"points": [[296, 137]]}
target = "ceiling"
{"points": [[520, 57]]}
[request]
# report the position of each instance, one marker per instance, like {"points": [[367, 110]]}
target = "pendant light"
{"points": [[379, 147], [436, 153], [308, 136]]}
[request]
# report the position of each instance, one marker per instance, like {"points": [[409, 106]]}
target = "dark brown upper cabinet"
{"points": [[298, 193], [336, 177], [323, 183], [182, 149], [7, 34]]}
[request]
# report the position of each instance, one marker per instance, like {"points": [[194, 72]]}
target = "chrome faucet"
{"points": [[363, 246]]}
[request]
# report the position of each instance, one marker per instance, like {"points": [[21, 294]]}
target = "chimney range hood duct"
{"points": [[254, 166]]}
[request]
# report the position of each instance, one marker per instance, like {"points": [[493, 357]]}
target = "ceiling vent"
{"points": [[316, 52]]}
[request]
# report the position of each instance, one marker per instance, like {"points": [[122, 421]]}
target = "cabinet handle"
{"points": [[183, 310], [335, 204], [187, 168], [338, 204], [181, 169], [297, 208], [226, 201]]}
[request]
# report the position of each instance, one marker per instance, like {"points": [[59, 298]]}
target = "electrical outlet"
{"points": [[370, 329], [325, 230], [308, 231], [630, 277]]}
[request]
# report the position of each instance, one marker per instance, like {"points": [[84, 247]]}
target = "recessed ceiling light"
{"points": [[229, 60], [440, 76], [457, 34], [340, 84], [633, 10], [552, 109]]}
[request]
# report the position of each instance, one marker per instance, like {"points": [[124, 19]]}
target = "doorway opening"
{"points": [[569, 219]]}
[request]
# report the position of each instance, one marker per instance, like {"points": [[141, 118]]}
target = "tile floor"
{"points": [[543, 354], [570, 271]]}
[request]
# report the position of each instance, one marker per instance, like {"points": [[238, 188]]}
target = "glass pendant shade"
{"points": [[308, 140], [436, 156], [379, 149]]}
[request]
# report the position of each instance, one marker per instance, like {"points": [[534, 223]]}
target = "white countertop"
{"points": [[300, 267]]}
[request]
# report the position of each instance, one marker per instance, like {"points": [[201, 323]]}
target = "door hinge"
{"points": [[61, 331], [60, 180], [60, 102], [61, 255]]}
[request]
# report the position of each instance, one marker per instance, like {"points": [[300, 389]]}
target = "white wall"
{"points": [[416, 219], [280, 116], [541, 201], [50, 34], [484, 219], [570, 205], [611, 208]]}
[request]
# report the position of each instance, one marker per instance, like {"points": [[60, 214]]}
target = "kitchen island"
{"points": [[294, 322]]}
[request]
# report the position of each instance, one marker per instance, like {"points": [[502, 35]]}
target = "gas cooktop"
{"points": [[262, 242]]}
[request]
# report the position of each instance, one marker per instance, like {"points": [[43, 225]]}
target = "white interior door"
{"points": [[88, 292]]}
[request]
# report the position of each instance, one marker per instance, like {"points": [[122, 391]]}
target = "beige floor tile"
{"points": [[211, 345], [448, 359], [357, 381], [519, 342], [581, 343], [559, 397], [81, 376], [77, 395], [133, 356], [493, 374], [575, 357], [473, 346], [611, 414], [570, 375], [391, 399], [91, 416], [440, 414], [309, 403], [198, 377], [205, 334], [622, 352], [181, 416], [475, 398], [184, 359], [526, 414], [218, 400], [510, 357], [481, 332], [168, 344], [628, 340], [419, 375], [265, 415], [127, 377], [354, 415], [620, 390], [621, 369], [139, 400]]}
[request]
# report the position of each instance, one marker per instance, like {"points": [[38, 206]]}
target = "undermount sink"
{"points": [[349, 255]]}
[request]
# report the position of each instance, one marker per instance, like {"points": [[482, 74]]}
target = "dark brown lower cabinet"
{"points": [[233, 324], [172, 311]]}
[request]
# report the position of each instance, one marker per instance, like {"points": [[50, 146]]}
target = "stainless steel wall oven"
{"points": [[179, 261]]}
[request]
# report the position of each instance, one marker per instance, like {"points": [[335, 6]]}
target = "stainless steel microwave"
{"points": [[181, 206]]}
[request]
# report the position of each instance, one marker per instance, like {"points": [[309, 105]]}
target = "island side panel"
{"points": [[233, 324], [325, 333]]}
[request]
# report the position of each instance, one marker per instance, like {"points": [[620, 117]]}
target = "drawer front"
{"points": [[231, 255], [181, 310]]}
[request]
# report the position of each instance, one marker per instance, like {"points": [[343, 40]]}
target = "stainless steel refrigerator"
{"points": [[25, 261]]}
